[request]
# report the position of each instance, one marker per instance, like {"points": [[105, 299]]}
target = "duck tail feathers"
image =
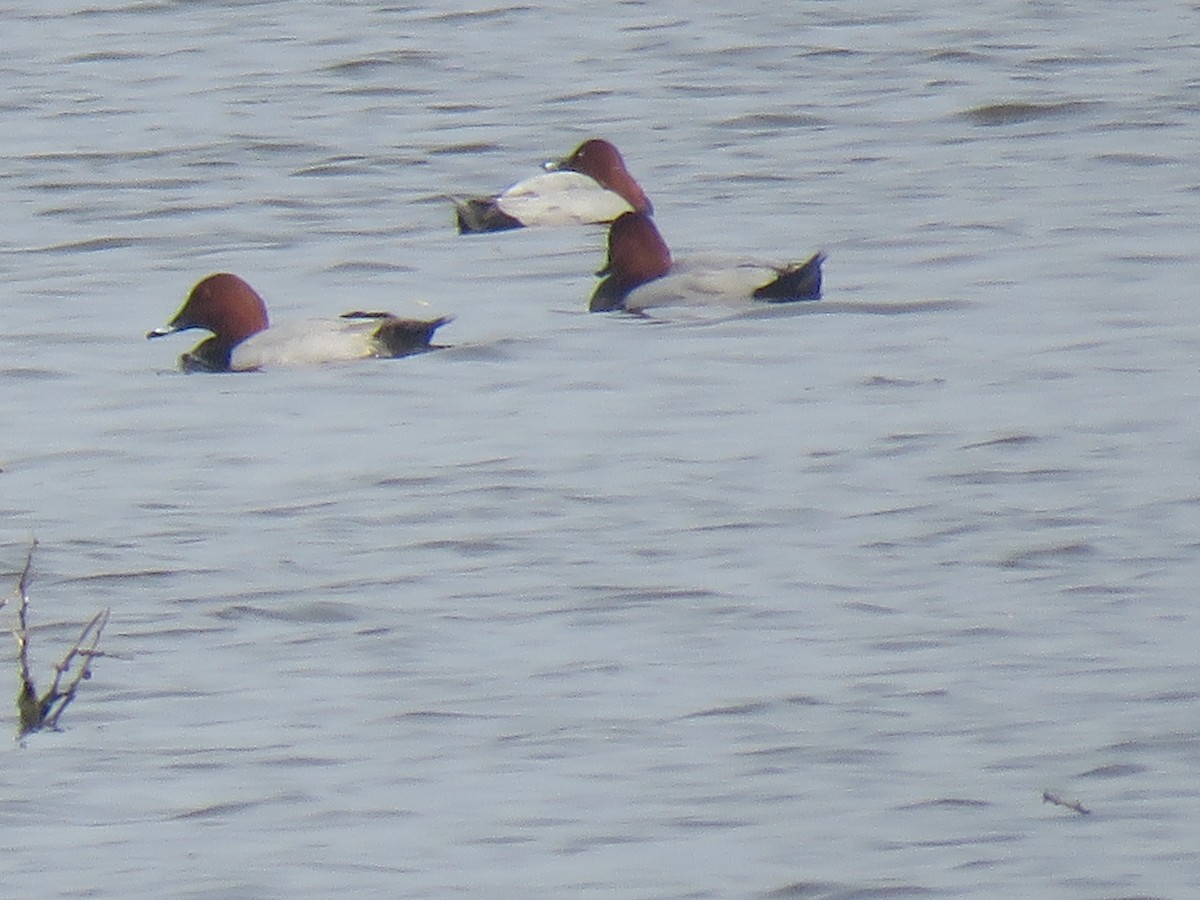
{"points": [[795, 282], [403, 337], [481, 214]]}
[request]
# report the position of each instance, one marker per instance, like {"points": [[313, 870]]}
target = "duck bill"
{"points": [[161, 331]]}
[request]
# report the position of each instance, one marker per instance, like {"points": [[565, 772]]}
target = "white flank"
{"points": [[561, 198]]}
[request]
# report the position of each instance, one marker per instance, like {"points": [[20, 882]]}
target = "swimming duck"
{"points": [[242, 339], [591, 185], [640, 274]]}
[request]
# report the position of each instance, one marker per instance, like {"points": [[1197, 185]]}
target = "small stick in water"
{"points": [[34, 712], [1073, 805]]}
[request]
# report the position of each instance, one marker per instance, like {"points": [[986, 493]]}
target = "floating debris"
{"points": [[1073, 805], [35, 712]]}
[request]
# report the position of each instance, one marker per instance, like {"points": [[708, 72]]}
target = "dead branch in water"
{"points": [[36, 713], [1073, 805]]}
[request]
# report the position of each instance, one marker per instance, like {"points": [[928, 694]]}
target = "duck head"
{"points": [[637, 254]]}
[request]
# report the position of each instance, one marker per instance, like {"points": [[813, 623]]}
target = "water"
{"points": [[815, 603]]}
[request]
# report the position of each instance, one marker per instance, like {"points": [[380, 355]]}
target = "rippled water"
{"points": [[811, 603]]}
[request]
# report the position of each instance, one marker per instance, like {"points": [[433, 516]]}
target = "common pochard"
{"points": [[641, 274], [243, 341], [591, 185]]}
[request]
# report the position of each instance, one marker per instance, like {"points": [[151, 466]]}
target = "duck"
{"points": [[243, 341], [640, 274], [590, 186]]}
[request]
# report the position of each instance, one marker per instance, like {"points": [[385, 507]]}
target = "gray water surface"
{"points": [[811, 603]]}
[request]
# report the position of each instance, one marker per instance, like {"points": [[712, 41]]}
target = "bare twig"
{"points": [[36, 712], [1073, 805], [27, 702], [55, 700]]}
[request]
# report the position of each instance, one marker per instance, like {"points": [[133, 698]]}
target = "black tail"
{"points": [[403, 337], [798, 282], [481, 214]]}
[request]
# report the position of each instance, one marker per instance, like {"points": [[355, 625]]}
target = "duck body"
{"points": [[312, 342], [590, 186], [244, 341], [642, 274]]}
